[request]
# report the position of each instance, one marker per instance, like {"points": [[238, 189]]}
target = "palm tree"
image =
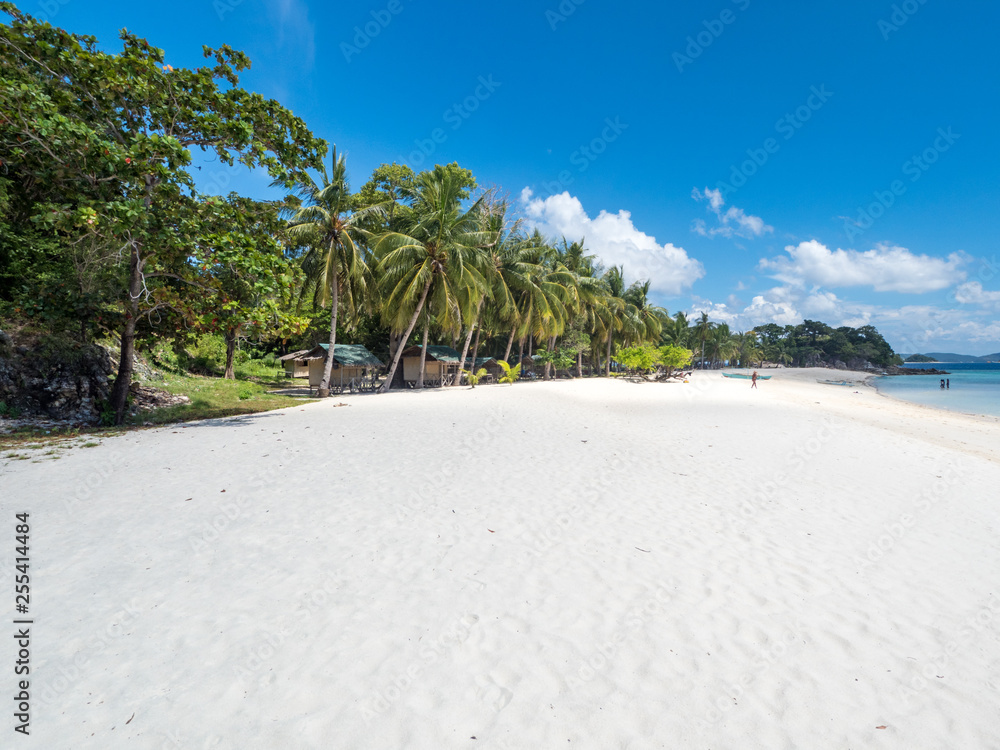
{"points": [[439, 253], [334, 264], [702, 330], [649, 318]]}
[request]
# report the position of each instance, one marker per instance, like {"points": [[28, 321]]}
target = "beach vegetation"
{"points": [[106, 237]]}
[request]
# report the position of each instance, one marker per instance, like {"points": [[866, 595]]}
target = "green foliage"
{"points": [[675, 357], [475, 377], [246, 391], [510, 374], [642, 359], [814, 343], [9, 412], [920, 358]]}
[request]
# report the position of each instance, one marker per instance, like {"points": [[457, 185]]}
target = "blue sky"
{"points": [[761, 161]]}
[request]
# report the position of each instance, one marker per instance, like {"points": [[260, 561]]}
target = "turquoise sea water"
{"points": [[975, 388]]}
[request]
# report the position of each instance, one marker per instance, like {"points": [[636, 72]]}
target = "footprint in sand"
{"points": [[493, 695]]}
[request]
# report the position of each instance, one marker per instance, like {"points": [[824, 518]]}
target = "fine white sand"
{"points": [[590, 564]]}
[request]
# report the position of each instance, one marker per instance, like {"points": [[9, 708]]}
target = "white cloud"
{"points": [[885, 268], [615, 240], [734, 222], [972, 293]]}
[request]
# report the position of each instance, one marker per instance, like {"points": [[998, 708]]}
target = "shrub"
{"points": [[245, 391]]}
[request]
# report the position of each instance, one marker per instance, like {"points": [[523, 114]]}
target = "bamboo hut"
{"points": [[351, 364], [296, 365], [442, 362]]}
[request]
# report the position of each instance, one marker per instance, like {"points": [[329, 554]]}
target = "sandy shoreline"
{"points": [[587, 564]]}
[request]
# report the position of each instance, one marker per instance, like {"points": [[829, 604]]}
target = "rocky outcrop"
{"points": [[54, 378]]}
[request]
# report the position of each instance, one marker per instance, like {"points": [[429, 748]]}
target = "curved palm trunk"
{"points": [[579, 363], [423, 354], [324, 384], [549, 369], [510, 343], [475, 349], [406, 336], [465, 352], [607, 363]]}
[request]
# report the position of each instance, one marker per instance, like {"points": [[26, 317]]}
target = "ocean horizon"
{"points": [[975, 387]]}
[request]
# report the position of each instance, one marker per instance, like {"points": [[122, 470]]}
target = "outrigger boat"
{"points": [[741, 376]]}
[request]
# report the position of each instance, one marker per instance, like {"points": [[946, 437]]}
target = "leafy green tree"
{"points": [[674, 358], [113, 133]]}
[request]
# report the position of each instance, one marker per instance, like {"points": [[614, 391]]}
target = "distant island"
{"points": [[952, 357]]}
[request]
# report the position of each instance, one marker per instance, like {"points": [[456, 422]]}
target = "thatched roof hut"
{"points": [[350, 362], [441, 362], [296, 365]]}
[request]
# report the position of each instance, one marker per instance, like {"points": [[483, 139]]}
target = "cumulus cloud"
{"points": [[733, 222], [787, 305], [885, 268], [972, 293], [615, 240]]}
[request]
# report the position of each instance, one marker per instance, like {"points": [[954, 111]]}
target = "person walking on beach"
{"points": [[947, 384], [753, 380]]}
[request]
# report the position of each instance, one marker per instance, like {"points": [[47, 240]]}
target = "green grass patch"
{"points": [[212, 398]]}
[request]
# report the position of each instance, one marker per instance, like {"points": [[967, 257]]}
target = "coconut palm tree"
{"points": [[649, 318], [438, 258], [702, 330], [336, 272]]}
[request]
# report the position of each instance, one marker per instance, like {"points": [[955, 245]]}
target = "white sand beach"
{"points": [[588, 564]]}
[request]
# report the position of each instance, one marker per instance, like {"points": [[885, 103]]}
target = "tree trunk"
{"points": [[230, 354], [579, 363], [324, 384], [549, 367], [406, 337], [465, 351], [475, 349], [465, 347], [423, 353], [394, 345], [510, 343], [119, 391], [520, 351], [607, 364]]}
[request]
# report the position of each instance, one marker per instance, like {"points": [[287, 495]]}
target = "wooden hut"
{"points": [[493, 369], [296, 365], [442, 362], [351, 363]]}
